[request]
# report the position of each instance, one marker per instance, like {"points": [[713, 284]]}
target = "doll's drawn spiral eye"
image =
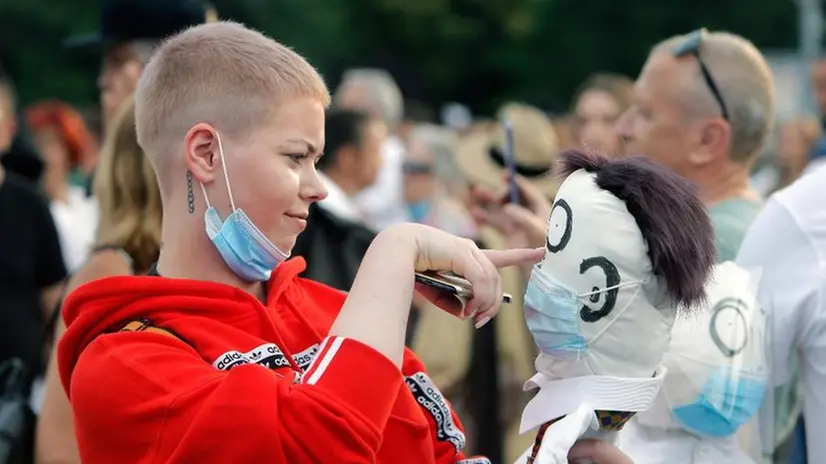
{"points": [[559, 226], [728, 327], [608, 297]]}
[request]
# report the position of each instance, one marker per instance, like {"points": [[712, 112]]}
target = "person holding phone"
{"points": [[510, 163], [523, 142], [520, 224], [511, 168], [222, 353]]}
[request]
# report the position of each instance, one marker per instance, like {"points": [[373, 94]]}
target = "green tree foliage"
{"points": [[478, 51], [30, 35]]}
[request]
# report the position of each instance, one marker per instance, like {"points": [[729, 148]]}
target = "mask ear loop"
{"points": [[226, 177], [206, 198], [603, 290], [224, 167], [620, 313]]}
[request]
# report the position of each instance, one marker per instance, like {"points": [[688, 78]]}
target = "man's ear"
{"points": [[201, 152], [712, 141]]}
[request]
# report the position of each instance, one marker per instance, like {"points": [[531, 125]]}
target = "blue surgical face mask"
{"points": [[728, 400], [552, 314], [244, 248], [419, 210]]}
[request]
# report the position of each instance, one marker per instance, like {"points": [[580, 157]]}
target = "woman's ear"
{"points": [[201, 147]]}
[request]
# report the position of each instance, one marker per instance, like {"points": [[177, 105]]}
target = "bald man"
{"points": [[703, 106]]}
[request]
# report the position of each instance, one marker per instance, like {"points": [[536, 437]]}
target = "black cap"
{"points": [[128, 20]]}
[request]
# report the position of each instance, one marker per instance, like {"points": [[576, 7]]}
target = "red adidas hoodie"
{"points": [[241, 382]]}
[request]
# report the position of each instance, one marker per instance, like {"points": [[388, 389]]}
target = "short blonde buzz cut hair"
{"points": [[220, 73]]}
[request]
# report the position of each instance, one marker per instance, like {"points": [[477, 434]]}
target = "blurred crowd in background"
{"points": [[76, 184]]}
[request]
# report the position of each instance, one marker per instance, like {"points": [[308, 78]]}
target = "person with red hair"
{"points": [[66, 145]]}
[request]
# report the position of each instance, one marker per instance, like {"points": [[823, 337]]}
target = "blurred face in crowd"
{"points": [[56, 157], [361, 163], [657, 125], [8, 121], [419, 179], [791, 146], [55, 153], [118, 78], [375, 134], [818, 75], [595, 115], [356, 97], [795, 142]]}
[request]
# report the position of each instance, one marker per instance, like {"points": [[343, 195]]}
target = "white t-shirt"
{"points": [[338, 202], [76, 221], [383, 202], [788, 241], [649, 445]]}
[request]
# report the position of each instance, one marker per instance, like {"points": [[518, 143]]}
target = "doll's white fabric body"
{"points": [[602, 303], [601, 362], [562, 435], [716, 380], [651, 445]]}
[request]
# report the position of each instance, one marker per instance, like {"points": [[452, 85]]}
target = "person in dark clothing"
{"points": [[31, 263], [336, 238], [32, 273], [22, 158], [17, 151], [352, 161]]}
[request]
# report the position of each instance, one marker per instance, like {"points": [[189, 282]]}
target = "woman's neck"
{"points": [[183, 257], [58, 192]]}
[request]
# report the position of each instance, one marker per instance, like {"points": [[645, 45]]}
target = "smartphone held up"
{"points": [[510, 164], [449, 291]]}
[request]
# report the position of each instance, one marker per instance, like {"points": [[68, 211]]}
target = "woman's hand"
{"points": [[440, 251], [377, 308]]}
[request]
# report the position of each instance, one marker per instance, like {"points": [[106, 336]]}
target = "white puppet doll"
{"points": [[715, 384], [628, 246]]}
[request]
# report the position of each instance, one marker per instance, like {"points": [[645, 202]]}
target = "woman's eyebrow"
{"points": [[309, 146]]}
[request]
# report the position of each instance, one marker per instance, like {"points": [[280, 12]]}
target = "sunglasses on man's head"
{"points": [[410, 167], [691, 46]]}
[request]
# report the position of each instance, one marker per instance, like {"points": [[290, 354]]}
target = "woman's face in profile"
{"points": [[595, 113], [117, 80], [419, 182], [51, 147], [56, 157]]}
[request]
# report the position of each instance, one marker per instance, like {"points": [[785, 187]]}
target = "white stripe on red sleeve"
{"points": [[325, 356], [322, 348]]}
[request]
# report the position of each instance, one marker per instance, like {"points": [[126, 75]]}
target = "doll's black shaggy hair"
{"points": [[673, 221]]}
